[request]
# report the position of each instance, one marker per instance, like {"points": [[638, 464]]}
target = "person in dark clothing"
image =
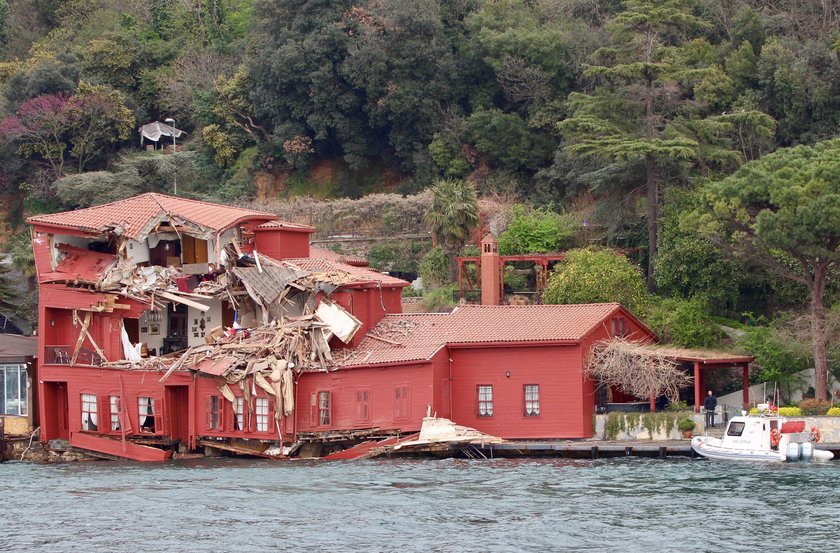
{"points": [[710, 404]]}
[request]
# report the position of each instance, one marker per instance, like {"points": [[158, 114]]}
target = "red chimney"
{"points": [[490, 272]]}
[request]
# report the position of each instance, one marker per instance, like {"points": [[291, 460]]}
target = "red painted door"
{"points": [[177, 412], [56, 411]]}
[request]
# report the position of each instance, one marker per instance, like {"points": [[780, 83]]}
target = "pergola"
{"points": [[704, 361], [541, 260]]}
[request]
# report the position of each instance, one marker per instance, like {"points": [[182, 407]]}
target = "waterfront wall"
{"points": [[643, 426], [662, 426]]}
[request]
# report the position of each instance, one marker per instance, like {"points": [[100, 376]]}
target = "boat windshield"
{"points": [[735, 428]]}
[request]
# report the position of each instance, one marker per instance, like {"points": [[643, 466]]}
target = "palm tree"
{"points": [[453, 216]]}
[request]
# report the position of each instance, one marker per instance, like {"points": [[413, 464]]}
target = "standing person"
{"points": [[710, 404]]}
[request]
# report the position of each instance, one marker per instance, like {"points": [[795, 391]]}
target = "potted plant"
{"points": [[686, 425]]}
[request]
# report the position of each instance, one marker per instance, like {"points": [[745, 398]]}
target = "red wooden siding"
{"points": [[385, 410], [564, 411], [282, 244]]}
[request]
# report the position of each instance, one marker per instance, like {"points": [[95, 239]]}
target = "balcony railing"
{"points": [[62, 355]]}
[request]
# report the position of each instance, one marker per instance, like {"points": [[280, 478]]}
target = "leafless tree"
{"points": [[634, 369]]}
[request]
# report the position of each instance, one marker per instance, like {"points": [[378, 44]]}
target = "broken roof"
{"points": [[361, 274], [286, 225], [135, 217], [315, 251], [420, 336]]}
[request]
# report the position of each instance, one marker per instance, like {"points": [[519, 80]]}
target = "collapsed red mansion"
{"points": [[168, 324]]}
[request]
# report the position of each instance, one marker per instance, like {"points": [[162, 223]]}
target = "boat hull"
{"points": [[708, 448]]}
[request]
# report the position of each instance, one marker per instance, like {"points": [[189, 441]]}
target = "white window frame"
{"points": [[532, 400], [90, 412], [114, 408], [21, 404], [485, 400], [262, 414]]}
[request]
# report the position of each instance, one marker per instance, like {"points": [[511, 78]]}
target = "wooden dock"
{"points": [[580, 449]]}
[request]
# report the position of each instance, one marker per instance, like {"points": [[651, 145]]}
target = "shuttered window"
{"points": [[362, 405], [401, 402]]}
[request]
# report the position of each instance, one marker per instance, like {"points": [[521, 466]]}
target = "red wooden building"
{"points": [[511, 371]]}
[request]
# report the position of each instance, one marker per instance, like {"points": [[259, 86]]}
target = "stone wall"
{"points": [[645, 426]]}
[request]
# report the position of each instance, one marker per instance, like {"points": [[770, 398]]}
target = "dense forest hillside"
{"points": [[605, 119]]}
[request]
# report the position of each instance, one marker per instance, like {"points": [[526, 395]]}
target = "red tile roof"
{"points": [[362, 274], [286, 225], [421, 335], [135, 214], [323, 253]]}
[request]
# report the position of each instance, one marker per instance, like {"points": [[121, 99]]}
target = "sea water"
{"points": [[627, 504]]}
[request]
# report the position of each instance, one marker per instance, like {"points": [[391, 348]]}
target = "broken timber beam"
{"points": [[185, 301]]}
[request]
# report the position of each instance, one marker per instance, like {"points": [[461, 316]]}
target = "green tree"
{"points": [[7, 292], [98, 117], [453, 216], [595, 276], [642, 70], [785, 204]]}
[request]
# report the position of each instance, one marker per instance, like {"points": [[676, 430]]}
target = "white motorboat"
{"points": [[763, 438]]}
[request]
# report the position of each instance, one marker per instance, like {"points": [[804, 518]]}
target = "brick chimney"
{"points": [[490, 273]]}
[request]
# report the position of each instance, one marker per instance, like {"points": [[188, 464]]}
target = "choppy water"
{"points": [[450, 505]]}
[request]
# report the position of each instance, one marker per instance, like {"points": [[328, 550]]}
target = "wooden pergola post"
{"points": [[698, 387]]}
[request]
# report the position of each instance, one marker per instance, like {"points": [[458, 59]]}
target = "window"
{"points": [[90, 419], [485, 400], [114, 407], [13, 397], [324, 408], [149, 416], [239, 414], [214, 413], [532, 400], [619, 327], [401, 402], [362, 405], [262, 414], [735, 429]]}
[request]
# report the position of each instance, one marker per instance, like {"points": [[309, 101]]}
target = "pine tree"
{"points": [[639, 79]]}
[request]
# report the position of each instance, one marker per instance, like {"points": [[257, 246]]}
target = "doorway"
{"points": [[56, 423], [178, 412]]}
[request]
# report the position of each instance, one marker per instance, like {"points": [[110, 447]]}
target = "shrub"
{"points": [[612, 425], [833, 412], [595, 275], [434, 269], [789, 412], [678, 406], [685, 323], [440, 300], [814, 407], [686, 424], [536, 231], [411, 292]]}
